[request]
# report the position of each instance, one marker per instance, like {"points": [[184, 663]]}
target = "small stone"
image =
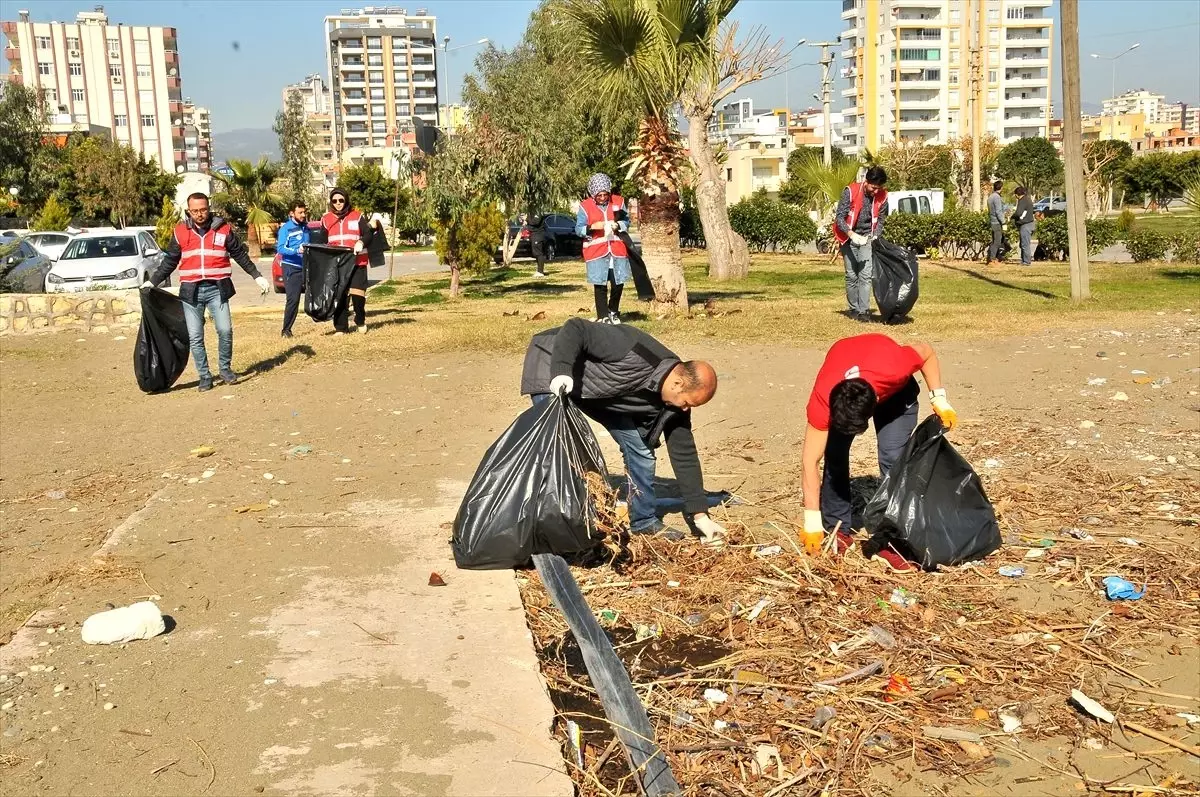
{"points": [[1119, 396], [60, 688], [6, 706], [109, 706], [54, 729], [49, 668], [208, 474], [1087, 424], [36, 667], [345, 462], [51, 630], [270, 681], [268, 476]]}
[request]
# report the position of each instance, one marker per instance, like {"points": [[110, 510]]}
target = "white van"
{"points": [[921, 203]]}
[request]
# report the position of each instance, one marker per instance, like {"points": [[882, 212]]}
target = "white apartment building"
{"points": [[313, 91], [1147, 103], [382, 74], [910, 72], [121, 77], [197, 137]]}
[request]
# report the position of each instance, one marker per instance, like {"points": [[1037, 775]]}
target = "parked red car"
{"points": [[277, 273]]}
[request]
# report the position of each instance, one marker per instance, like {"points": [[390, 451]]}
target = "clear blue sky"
{"points": [[280, 41]]}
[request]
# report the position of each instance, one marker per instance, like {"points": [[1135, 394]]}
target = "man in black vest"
{"points": [[641, 392]]}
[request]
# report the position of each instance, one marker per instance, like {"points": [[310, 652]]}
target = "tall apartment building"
{"points": [[197, 137], [313, 92], [382, 74], [911, 70], [1147, 103], [121, 77]]}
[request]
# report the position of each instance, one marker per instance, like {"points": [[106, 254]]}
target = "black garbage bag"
{"points": [[327, 273], [637, 266], [529, 494], [161, 351], [931, 505], [895, 281]]}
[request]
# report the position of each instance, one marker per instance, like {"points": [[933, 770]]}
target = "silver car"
{"points": [[23, 269]]}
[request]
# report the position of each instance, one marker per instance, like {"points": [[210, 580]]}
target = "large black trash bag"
{"points": [[327, 273], [529, 494], [931, 505], [895, 281], [162, 348]]}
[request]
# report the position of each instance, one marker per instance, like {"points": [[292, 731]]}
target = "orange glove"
{"points": [[942, 408], [813, 536]]}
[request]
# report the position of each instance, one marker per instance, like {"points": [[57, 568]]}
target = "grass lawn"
{"points": [[1168, 223], [787, 299]]}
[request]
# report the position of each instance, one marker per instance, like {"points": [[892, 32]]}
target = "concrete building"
{"points": [[1180, 115], [382, 73], [757, 146], [807, 128], [1127, 127], [197, 137], [910, 71], [452, 116], [121, 77], [314, 93], [318, 116], [1147, 103]]}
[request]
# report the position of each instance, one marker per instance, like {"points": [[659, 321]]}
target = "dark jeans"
{"points": [[293, 281], [997, 242], [208, 296], [357, 299], [608, 297], [894, 420], [537, 246], [640, 464]]}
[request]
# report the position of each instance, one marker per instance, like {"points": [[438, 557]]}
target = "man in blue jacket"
{"points": [[289, 243]]}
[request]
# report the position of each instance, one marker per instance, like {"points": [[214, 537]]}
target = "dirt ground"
{"points": [[268, 683]]}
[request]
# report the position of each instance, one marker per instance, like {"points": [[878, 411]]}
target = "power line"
{"points": [[1191, 24]]}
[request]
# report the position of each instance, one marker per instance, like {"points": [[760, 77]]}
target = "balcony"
{"points": [[1026, 60], [171, 58], [12, 53], [1029, 101], [920, 36], [355, 45], [9, 28], [423, 84], [352, 66], [908, 100], [422, 64], [348, 100], [355, 80], [930, 14], [921, 123]]}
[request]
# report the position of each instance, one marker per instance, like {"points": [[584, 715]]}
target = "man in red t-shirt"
{"points": [[863, 378]]}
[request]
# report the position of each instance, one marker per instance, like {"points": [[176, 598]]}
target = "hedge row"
{"points": [[768, 225], [965, 235], [1146, 245]]}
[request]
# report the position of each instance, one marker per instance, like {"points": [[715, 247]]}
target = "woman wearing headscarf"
{"points": [[346, 227], [600, 218]]}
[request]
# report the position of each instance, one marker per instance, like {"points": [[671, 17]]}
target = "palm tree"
{"points": [[641, 54], [250, 189]]}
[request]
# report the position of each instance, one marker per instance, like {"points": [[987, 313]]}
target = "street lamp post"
{"points": [[446, 50], [1113, 59]]}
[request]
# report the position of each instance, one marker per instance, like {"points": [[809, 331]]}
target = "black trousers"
{"points": [[357, 298], [293, 282], [537, 245], [895, 419]]}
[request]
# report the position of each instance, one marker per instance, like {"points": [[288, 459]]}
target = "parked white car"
{"points": [[50, 244], [104, 259]]}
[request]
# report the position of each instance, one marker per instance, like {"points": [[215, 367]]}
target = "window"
{"points": [[399, 41], [954, 35], [374, 60], [114, 70], [80, 118], [378, 110], [919, 54], [114, 46], [122, 120], [77, 95], [146, 98], [374, 43], [400, 60], [43, 42], [379, 127], [143, 70], [72, 42], [376, 77], [993, 15], [377, 94], [76, 69], [953, 97], [43, 68], [147, 120], [51, 95], [953, 77], [993, 36], [142, 47], [993, 76], [729, 175], [993, 97], [956, 15], [953, 57]]}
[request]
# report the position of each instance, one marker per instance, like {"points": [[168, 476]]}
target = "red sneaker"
{"points": [[894, 561], [844, 543]]}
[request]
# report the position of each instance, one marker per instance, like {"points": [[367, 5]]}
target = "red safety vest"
{"points": [[203, 257], [595, 245], [856, 200], [344, 232]]}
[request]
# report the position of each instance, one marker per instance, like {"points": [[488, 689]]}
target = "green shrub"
{"points": [[1125, 222], [54, 215], [1146, 245], [769, 225], [1185, 247], [957, 234], [1052, 236]]}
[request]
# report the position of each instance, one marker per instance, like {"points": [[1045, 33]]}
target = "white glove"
{"points": [[358, 247], [262, 284], [562, 385], [147, 284], [859, 240], [708, 527], [608, 228], [942, 408]]}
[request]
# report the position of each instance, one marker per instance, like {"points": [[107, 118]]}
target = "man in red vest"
{"points": [[202, 248], [858, 221]]}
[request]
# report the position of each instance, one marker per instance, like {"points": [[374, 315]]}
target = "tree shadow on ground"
{"points": [[999, 283], [534, 289], [1192, 274], [271, 363]]}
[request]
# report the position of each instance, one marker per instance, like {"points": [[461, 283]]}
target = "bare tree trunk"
{"points": [[658, 221], [252, 241], [509, 248], [455, 280], [728, 255]]}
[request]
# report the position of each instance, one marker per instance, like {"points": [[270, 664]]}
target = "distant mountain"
{"points": [[246, 144]]}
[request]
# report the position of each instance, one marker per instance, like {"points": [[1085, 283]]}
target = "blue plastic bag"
{"points": [[1118, 589]]}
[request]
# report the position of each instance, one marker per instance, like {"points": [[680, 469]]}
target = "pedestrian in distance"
{"points": [[202, 248], [536, 223], [858, 222], [1026, 223], [346, 228], [291, 239], [600, 218], [867, 378], [995, 205], [641, 392]]}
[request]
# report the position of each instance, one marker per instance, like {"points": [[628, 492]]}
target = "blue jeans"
{"points": [[209, 295], [1026, 231], [895, 419], [639, 468], [859, 271]]}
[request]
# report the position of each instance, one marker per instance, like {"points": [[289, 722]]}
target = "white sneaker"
{"points": [[362, 329], [339, 332], [537, 275], [613, 318], [604, 320]]}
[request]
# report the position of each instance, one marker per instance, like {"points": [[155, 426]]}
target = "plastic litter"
{"points": [[715, 696], [435, 580], [762, 604], [575, 742], [766, 756], [1130, 541], [1118, 589], [1035, 553], [822, 717], [141, 620], [56, 495], [645, 632], [897, 686], [300, 451], [1011, 723], [1011, 571], [1091, 707], [896, 285], [608, 616], [1078, 534], [902, 597], [768, 550]]}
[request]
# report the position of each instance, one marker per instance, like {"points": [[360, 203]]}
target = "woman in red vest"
{"points": [[346, 227], [858, 221], [600, 218]]}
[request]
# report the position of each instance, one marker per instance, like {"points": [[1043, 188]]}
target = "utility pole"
{"points": [[1073, 150], [973, 10], [826, 95]]}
